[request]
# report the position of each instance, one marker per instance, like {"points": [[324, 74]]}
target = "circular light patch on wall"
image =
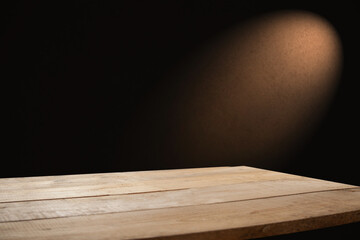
{"points": [[251, 94]]}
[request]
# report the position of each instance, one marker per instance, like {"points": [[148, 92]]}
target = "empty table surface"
{"points": [[200, 203]]}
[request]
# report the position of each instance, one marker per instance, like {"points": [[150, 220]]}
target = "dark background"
{"points": [[78, 70]]}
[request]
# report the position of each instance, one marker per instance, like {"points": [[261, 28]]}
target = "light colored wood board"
{"points": [[133, 174], [56, 187], [30, 210], [232, 220], [269, 230]]}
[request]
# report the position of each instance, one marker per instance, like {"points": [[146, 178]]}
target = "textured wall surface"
{"points": [[248, 96], [99, 86]]}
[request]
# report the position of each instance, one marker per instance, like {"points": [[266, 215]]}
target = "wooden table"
{"points": [[204, 203]]}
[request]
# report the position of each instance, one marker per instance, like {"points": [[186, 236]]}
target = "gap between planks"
{"points": [[55, 208], [142, 209], [87, 185], [243, 219]]}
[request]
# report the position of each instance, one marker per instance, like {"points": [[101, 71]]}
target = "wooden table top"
{"points": [[200, 203]]}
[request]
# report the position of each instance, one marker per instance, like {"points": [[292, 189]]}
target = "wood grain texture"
{"points": [[54, 208], [52, 187], [211, 203]]}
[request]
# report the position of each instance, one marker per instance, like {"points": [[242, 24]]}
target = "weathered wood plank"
{"points": [[230, 220], [29, 210], [135, 174], [87, 185]]}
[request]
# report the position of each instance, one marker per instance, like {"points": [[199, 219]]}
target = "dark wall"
{"points": [[78, 70]]}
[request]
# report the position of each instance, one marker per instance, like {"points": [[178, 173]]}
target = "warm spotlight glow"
{"points": [[252, 94]]}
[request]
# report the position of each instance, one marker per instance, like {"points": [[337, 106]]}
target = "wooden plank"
{"points": [[54, 208], [230, 220], [87, 185], [78, 178]]}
